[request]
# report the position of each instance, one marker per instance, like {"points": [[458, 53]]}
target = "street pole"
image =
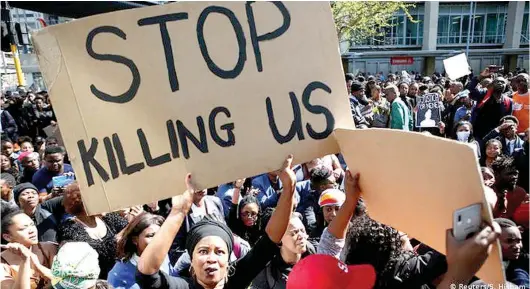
{"points": [[469, 28], [18, 68]]}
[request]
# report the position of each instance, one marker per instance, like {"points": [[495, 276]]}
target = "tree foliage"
{"points": [[358, 21]]}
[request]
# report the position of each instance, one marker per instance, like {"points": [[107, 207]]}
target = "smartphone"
{"points": [[62, 181], [494, 68], [467, 221]]}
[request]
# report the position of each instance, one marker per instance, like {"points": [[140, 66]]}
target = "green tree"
{"points": [[357, 21]]}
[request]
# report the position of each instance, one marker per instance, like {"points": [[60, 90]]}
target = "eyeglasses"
{"points": [[252, 215]]}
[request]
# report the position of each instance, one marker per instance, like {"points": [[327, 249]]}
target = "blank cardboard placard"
{"points": [[456, 66], [221, 90], [414, 182], [54, 131]]}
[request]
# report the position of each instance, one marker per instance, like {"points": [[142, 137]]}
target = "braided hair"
{"points": [[376, 244]]}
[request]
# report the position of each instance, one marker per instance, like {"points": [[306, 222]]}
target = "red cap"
{"points": [[23, 155], [326, 272]]}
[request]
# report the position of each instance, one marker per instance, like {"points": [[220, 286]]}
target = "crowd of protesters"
{"points": [[251, 232]]}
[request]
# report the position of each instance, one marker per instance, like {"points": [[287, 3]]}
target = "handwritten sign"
{"points": [[430, 200], [428, 112], [220, 90]]}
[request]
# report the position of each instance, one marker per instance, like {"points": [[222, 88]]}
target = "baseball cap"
{"points": [[327, 272], [357, 86]]}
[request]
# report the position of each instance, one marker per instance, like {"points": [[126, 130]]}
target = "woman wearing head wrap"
{"points": [[210, 244], [329, 202], [244, 217], [293, 249]]}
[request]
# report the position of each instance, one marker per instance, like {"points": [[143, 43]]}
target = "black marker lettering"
{"points": [[241, 42], [166, 42], [111, 157], [296, 125], [149, 160], [173, 140], [255, 38], [135, 84], [88, 158], [229, 127], [318, 109], [185, 134], [127, 170]]}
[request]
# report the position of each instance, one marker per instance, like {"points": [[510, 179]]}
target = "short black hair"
{"points": [[24, 139], [349, 76], [51, 138], [54, 150], [319, 176], [505, 223], [9, 178], [7, 219], [503, 162]]}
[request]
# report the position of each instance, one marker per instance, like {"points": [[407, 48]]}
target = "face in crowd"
{"points": [[507, 178], [210, 261], [511, 243], [249, 213], [26, 147], [488, 177], [295, 238], [330, 212], [7, 148], [54, 162], [463, 132], [5, 163], [6, 189], [31, 162], [19, 228], [28, 199], [493, 149], [414, 90], [510, 130], [403, 89]]}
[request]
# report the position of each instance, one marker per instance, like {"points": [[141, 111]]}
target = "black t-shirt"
{"points": [[246, 270]]}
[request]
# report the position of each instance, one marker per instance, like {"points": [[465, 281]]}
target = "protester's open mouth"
{"points": [[211, 271]]}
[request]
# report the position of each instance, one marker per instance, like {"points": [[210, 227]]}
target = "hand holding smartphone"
{"points": [[467, 221]]}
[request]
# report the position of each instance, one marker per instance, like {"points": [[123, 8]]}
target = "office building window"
{"points": [[414, 34], [454, 29], [525, 35], [478, 29], [495, 28], [443, 29]]}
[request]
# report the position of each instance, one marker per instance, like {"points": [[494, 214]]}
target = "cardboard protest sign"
{"points": [[421, 188], [53, 130], [220, 90], [428, 112], [456, 66]]}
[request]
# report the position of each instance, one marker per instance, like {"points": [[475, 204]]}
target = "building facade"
{"points": [[30, 69], [492, 33]]}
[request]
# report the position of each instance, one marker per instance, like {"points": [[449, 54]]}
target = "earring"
{"points": [[231, 270]]}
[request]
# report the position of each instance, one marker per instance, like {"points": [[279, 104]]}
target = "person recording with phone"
{"points": [[53, 166]]}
